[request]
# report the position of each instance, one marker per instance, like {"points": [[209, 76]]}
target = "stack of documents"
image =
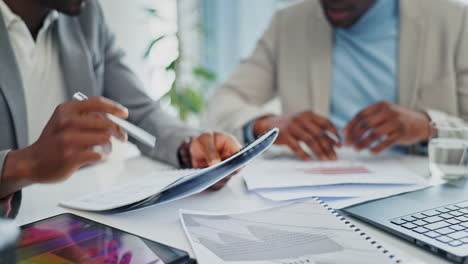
{"points": [[304, 232], [351, 180]]}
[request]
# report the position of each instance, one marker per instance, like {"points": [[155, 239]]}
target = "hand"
{"points": [[384, 125], [65, 144], [210, 149], [307, 127]]}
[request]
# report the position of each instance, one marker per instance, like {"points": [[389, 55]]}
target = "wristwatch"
{"points": [[183, 154], [248, 131]]}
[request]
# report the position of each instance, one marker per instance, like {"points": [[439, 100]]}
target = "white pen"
{"points": [[134, 131], [332, 136]]}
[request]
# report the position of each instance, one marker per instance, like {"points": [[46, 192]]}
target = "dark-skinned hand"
{"points": [[209, 149], [65, 145], [310, 128], [384, 125]]}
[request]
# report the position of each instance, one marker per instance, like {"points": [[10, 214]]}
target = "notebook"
{"points": [[304, 232], [153, 189]]}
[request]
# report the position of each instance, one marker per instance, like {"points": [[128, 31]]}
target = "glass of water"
{"points": [[448, 157]]}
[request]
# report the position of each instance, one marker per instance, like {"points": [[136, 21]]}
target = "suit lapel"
{"points": [[321, 44], [12, 87], [412, 30], [75, 58]]}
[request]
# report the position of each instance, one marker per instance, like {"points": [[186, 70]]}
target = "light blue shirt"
{"points": [[365, 62]]}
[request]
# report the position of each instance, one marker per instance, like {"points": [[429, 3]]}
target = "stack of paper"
{"points": [[341, 183]]}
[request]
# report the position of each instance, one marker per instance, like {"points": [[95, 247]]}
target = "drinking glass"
{"points": [[448, 157]]}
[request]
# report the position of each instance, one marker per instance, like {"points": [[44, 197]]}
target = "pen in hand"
{"points": [[134, 131]]}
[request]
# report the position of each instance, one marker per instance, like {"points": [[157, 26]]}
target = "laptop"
{"points": [[435, 219]]}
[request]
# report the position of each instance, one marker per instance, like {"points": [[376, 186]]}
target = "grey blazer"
{"points": [[92, 64], [293, 62]]}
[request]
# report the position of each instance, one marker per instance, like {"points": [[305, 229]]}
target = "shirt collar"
{"points": [[9, 17]]}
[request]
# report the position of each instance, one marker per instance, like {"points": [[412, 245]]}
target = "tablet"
{"points": [[70, 239]]}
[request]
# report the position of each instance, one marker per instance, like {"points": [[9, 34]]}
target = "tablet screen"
{"points": [[68, 239]]}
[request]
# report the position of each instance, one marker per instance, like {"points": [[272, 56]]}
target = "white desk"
{"points": [[161, 223]]}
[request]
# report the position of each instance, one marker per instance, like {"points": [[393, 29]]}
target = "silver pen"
{"points": [[134, 131]]}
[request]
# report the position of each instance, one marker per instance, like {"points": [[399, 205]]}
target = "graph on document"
{"points": [[258, 241], [289, 234]]}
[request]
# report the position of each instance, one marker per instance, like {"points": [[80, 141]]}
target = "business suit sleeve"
{"points": [[9, 206], [461, 68], [5, 202], [3, 155], [122, 85], [240, 99]]}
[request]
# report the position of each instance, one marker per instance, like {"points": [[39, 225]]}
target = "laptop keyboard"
{"points": [[446, 224]]}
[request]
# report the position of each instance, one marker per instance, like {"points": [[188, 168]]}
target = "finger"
{"points": [[370, 123], [316, 125], [319, 132], [100, 105], [311, 141], [351, 126], [87, 158], [93, 122], [226, 145], [198, 162], [203, 150], [376, 135], [386, 144], [320, 148], [309, 125], [326, 125], [73, 160], [327, 145], [85, 140], [293, 144]]}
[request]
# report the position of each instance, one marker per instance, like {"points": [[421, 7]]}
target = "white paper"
{"points": [[365, 192], [288, 172], [304, 232], [128, 193]]}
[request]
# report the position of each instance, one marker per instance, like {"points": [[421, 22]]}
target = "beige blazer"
{"points": [[293, 62]]}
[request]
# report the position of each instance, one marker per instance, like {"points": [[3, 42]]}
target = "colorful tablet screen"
{"points": [[67, 239]]}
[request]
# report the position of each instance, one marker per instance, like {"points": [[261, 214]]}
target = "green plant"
{"points": [[190, 99]]}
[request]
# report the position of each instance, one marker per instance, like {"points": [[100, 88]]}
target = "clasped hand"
{"points": [[377, 128]]}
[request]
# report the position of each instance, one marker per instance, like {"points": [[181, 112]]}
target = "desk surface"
{"points": [[161, 223]]}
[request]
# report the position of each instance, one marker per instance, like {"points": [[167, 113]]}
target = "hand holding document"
{"points": [[164, 188]]}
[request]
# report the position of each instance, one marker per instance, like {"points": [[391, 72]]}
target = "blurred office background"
{"points": [[182, 49]]}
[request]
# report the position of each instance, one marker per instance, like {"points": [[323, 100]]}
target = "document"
{"points": [[158, 189], [289, 172], [350, 194], [304, 232], [127, 194]]}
